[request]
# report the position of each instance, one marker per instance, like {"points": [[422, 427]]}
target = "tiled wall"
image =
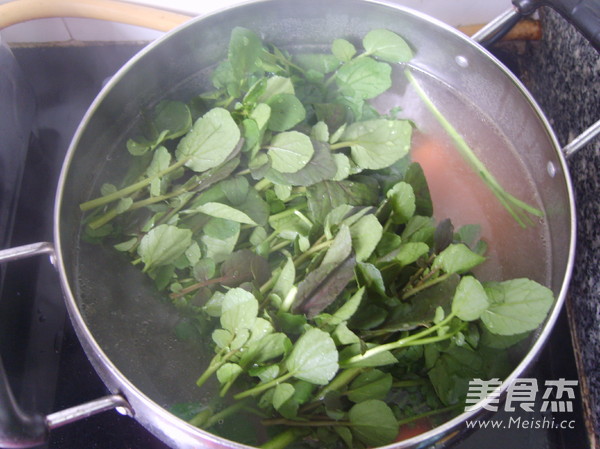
{"points": [[454, 12]]}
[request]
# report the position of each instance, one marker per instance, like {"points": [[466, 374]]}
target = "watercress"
{"points": [[282, 215]]}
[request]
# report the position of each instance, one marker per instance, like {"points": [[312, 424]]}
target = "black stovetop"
{"points": [[44, 360]]}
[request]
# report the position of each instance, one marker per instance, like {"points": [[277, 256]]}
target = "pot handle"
{"points": [[583, 14], [21, 430]]}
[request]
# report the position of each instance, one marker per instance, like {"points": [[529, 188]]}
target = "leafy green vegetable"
{"points": [[387, 45], [470, 299], [290, 151], [373, 384], [457, 258], [210, 141], [163, 245], [364, 78], [286, 112], [378, 143], [517, 306], [314, 357], [282, 217], [373, 422]]}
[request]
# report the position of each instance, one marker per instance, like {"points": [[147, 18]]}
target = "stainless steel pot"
{"points": [[126, 334]]}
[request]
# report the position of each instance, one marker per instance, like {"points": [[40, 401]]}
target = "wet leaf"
{"points": [[314, 357]]}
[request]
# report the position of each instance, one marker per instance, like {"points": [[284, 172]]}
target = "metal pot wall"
{"points": [[122, 330]]}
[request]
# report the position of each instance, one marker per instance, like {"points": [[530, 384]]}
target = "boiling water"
{"points": [[456, 189]]}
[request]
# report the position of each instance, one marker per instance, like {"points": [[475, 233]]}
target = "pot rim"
{"points": [[188, 432]]}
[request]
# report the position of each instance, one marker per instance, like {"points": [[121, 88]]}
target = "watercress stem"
{"points": [[403, 342], [342, 379], [263, 387], [283, 439], [439, 411], [507, 200], [413, 291], [214, 419], [101, 201], [217, 362]]}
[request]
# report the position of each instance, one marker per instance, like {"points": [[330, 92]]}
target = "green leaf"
{"points": [[126, 245], [255, 208], [285, 280], [262, 348], [366, 234], [373, 384], [277, 85], [244, 266], [387, 46], [410, 252], [244, 52], [235, 189], [325, 196], [290, 151], [161, 159], [424, 307], [379, 143], [283, 392], [261, 114], [457, 258], [402, 199], [251, 134], [322, 286], [286, 112], [344, 167], [320, 132], [314, 357], [517, 306], [163, 245], [470, 299], [416, 178], [495, 341], [373, 422], [369, 276], [320, 167], [345, 434], [239, 310], [123, 205], [222, 338], [340, 248], [228, 372], [220, 210], [343, 49], [364, 78], [213, 305], [174, 117], [212, 139], [349, 308], [320, 62], [220, 237], [451, 372], [193, 254], [344, 336], [265, 373]]}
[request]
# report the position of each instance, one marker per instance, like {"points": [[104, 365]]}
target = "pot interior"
{"points": [[116, 308]]}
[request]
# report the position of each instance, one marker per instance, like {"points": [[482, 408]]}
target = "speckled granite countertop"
{"points": [[562, 71]]}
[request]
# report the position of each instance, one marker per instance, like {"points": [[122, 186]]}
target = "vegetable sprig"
{"points": [[282, 216]]}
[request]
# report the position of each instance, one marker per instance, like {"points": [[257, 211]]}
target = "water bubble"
{"points": [[551, 169]]}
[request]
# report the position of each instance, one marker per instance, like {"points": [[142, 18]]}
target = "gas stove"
{"points": [[43, 358]]}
